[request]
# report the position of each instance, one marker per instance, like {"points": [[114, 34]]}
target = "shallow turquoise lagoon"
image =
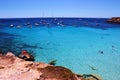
{"points": [[77, 48]]}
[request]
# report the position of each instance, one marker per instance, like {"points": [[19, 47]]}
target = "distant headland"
{"points": [[114, 20]]}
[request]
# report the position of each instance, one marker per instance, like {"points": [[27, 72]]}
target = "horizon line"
{"points": [[50, 17]]}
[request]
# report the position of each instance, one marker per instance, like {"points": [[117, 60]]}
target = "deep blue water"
{"points": [[77, 22], [73, 42], [97, 23]]}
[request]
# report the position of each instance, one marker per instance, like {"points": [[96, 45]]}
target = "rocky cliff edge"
{"points": [[14, 68]]}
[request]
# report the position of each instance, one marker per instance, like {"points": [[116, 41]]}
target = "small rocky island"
{"points": [[114, 20], [14, 68]]}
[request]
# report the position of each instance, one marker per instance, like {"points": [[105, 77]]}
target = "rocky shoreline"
{"points": [[114, 20], [14, 68]]}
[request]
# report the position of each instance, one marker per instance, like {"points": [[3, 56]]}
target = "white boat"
{"points": [[11, 25]]}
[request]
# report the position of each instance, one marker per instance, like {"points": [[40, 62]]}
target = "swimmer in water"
{"points": [[100, 51]]}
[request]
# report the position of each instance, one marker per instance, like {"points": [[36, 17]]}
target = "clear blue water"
{"points": [[76, 45]]}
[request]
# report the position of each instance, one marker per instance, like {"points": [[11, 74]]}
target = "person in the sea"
{"points": [[26, 56], [100, 51]]}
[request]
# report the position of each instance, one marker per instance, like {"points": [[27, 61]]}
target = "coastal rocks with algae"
{"points": [[14, 68]]}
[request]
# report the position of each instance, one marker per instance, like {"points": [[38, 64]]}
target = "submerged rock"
{"points": [[53, 62], [91, 77], [114, 20]]}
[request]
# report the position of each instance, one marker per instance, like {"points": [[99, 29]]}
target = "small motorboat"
{"points": [[11, 25], [26, 56], [36, 24]]}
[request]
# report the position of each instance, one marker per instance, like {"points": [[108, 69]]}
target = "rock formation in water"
{"points": [[14, 68], [114, 20]]}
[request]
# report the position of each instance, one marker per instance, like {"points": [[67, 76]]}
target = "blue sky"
{"points": [[59, 8]]}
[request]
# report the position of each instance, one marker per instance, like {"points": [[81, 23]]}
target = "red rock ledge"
{"points": [[14, 68], [114, 20]]}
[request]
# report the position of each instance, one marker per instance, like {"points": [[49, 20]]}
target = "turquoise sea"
{"points": [[84, 45]]}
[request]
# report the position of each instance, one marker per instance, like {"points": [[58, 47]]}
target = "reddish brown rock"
{"points": [[14, 68], [58, 72]]}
